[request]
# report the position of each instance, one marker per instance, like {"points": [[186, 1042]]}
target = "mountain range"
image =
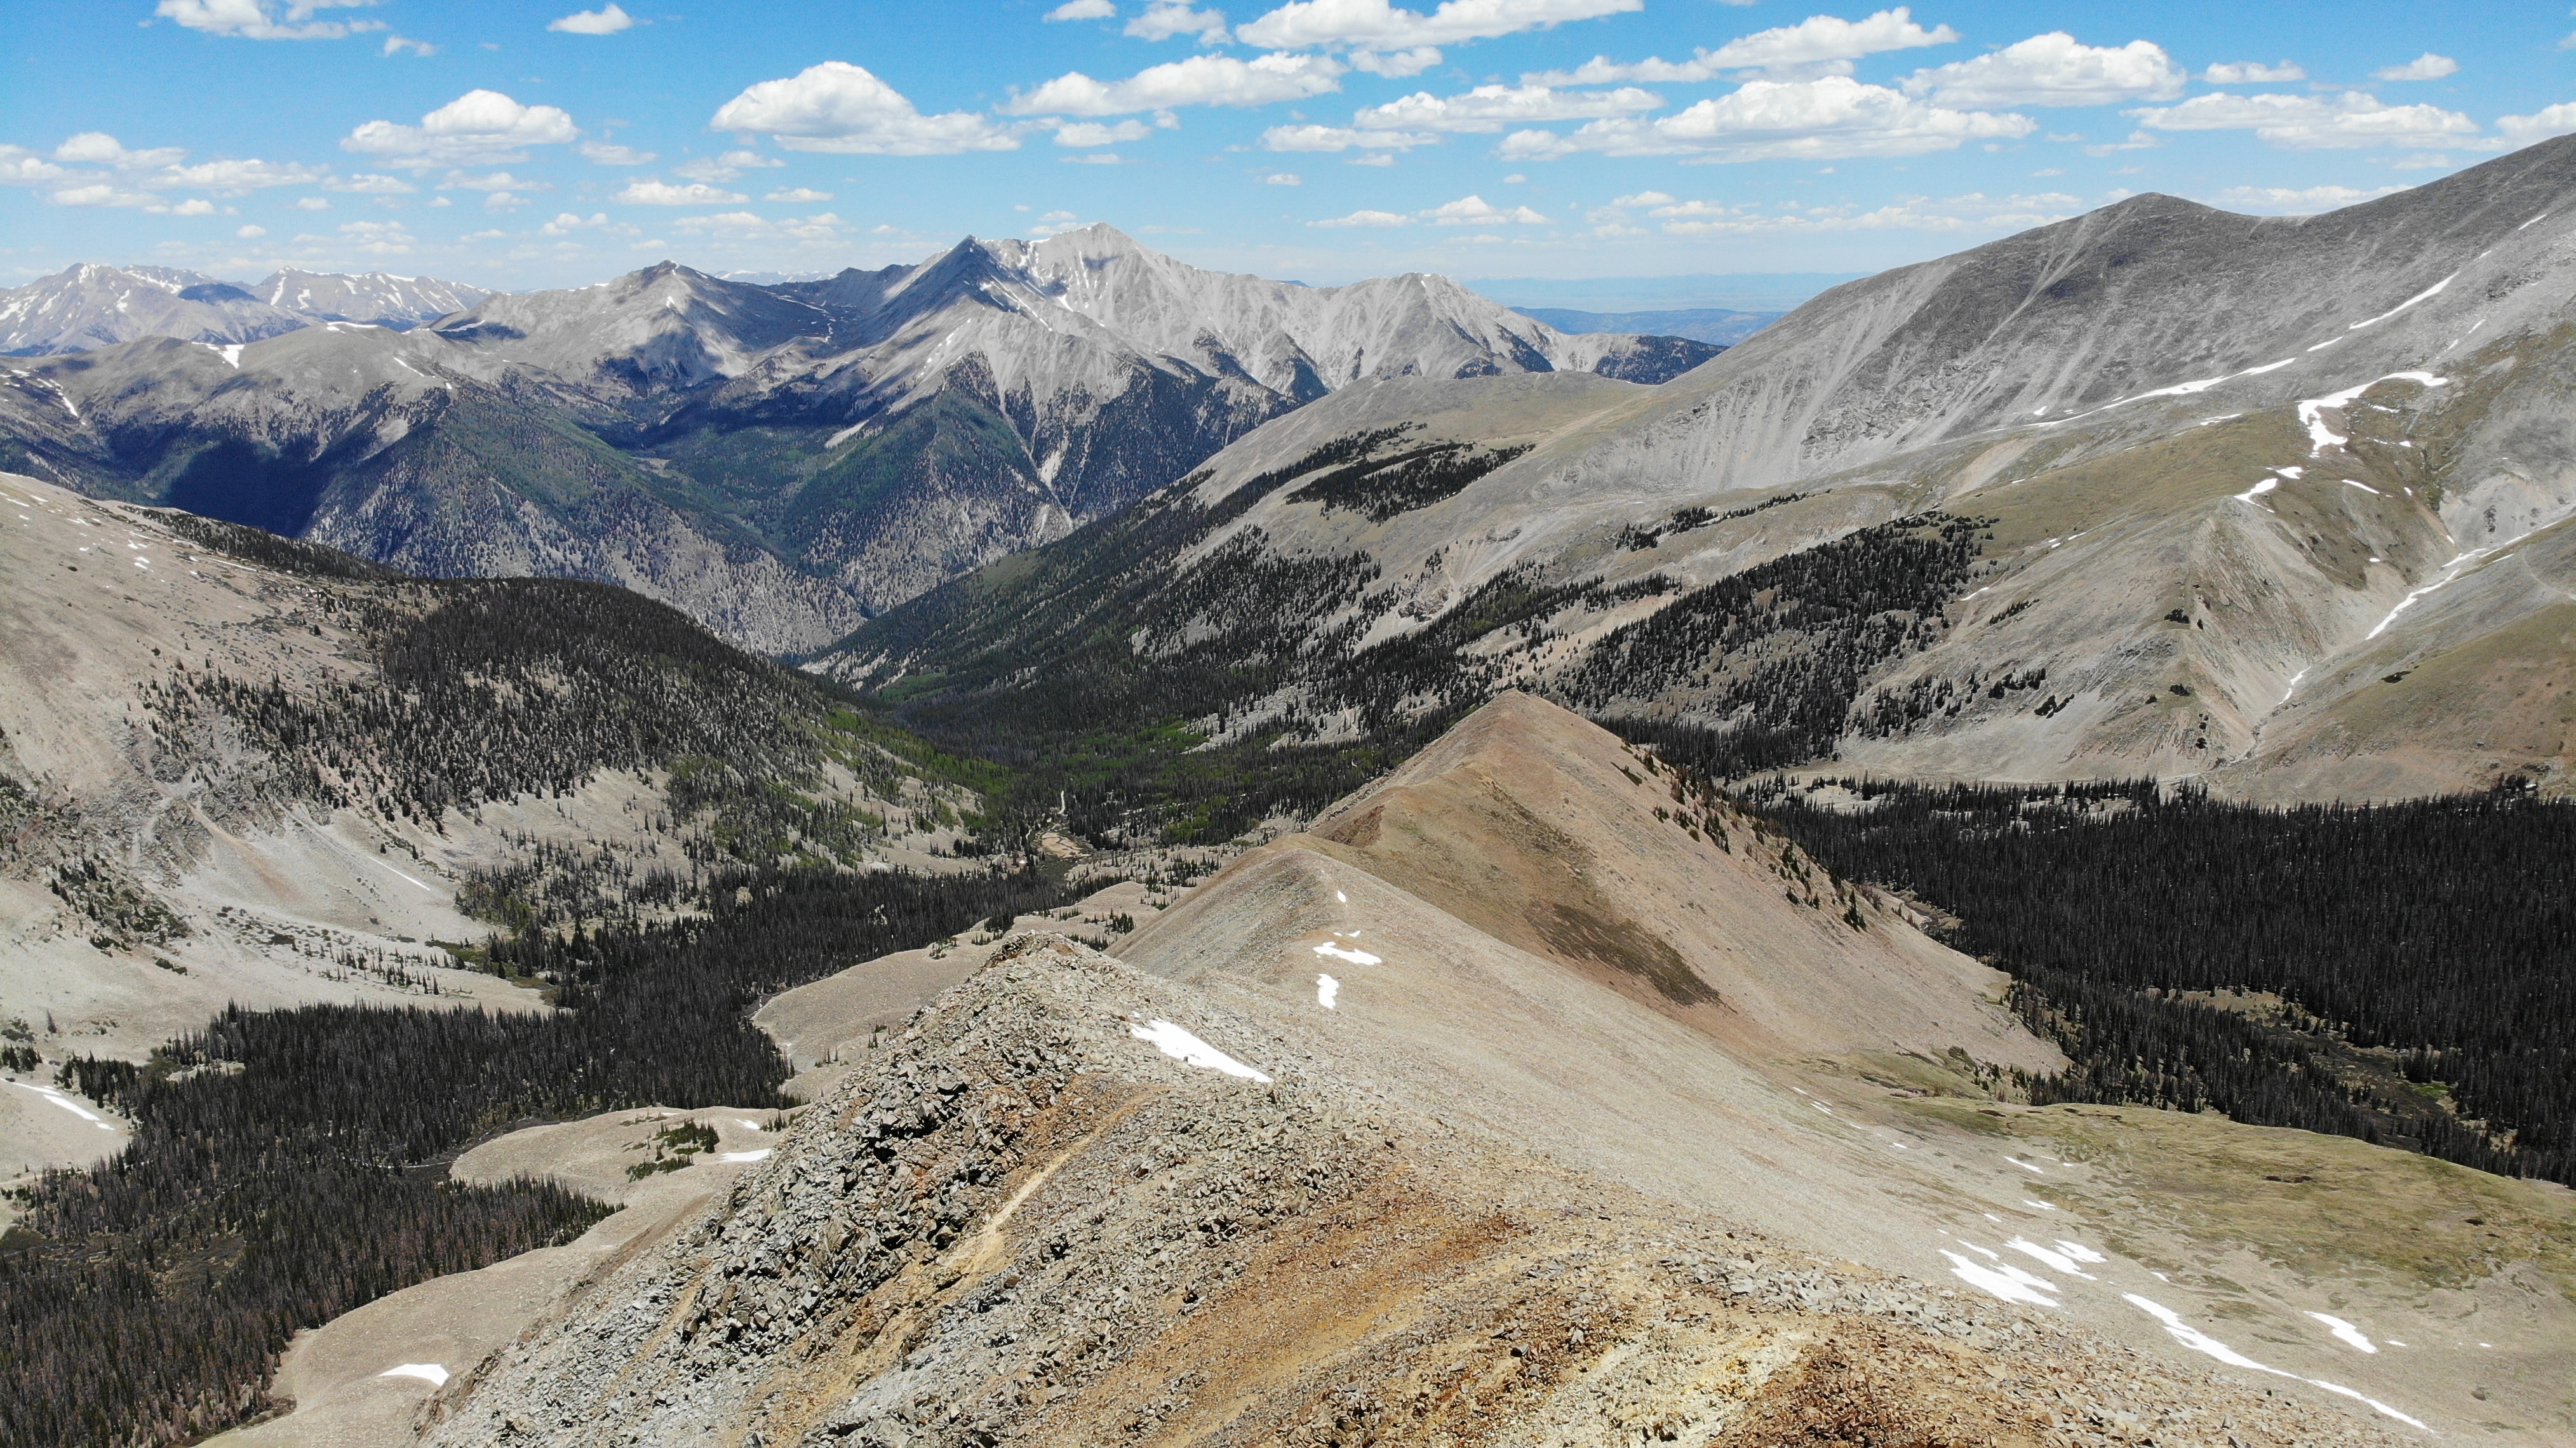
{"points": [[89, 306], [782, 460], [2273, 503]]}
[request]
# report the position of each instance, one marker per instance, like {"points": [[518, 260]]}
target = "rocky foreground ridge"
{"points": [[1025, 1222]]}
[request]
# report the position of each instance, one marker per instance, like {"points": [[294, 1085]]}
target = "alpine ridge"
{"points": [[781, 461]]}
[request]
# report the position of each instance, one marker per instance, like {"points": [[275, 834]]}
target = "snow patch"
{"points": [[2079, 1251], [2346, 1331], [2425, 295], [1355, 957], [434, 1374], [2025, 1166], [2050, 1255], [761, 1155], [2201, 1342], [67, 1104], [1326, 989], [2005, 1281], [1179, 1044], [2311, 411]]}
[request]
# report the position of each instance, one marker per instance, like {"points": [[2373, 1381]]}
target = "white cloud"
{"points": [[1367, 218], [2053, 70], [397, 44], [608, 153], [566, 223], [1200, 80], [1396, 65], [370, 183], [193, 206], [2253, 72], [311, 203], [2427, 66], [1094, 158], [651, 191], [1492, 107], [1283, 178], [748, 226], [1974, 211], [1164, 19], [840, 107], [1083, 10], [1820, 43], [384, 238], [725, 167], [503, 201], [1378, 25], [2557, 120], [251, 233], [22, 167], [2300, 202], [2138, 141], [495, 234], [798, 195], [240, 178], [103, 194], [264, 19], [495, 181], [98, 148], [478, 127], [1476, 211], [606, 20], [1341, 138], [1380, 159], [2354, 118], [1093, 133], [1823, 119]]}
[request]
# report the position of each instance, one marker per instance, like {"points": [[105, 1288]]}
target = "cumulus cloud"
{"points": [[606, 20], [397, 44], [479, 127], [2053, 70], [651, 191], [568, 222], [1083, 10], [1819, 44], [494, 181], [2557, 120], [748, 226], [98, 148], [1164, 19], [240, 178], [1200, 80], [251, 233], [104, 194], [311, 203], [383, 238], [1283, 178], [1095, 133], [1367, 218], [1380, 26], [798, 195], [608, 153], [22, 167], [2309, 123], [371, 183], [1341, 138], [1974, 211], [2253, 72], [840, 107], [725, 167], [1822, 119], [193, 206], [2427, 66], [1476, 211], [1492, 107], [265, 19], [1397, 64], [2302, 201]]}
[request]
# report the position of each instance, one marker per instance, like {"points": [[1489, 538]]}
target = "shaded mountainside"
{"points": [[780, 461], [2233, 519], [1511, 1104]]}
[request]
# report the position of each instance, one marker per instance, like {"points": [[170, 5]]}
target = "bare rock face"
{"points": [[1026, 1223], [782, 460]]}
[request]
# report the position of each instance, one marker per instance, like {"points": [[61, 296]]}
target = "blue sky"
{"points": [[519, 145]]}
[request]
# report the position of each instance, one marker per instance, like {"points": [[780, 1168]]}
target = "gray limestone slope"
{"points": [[379, 297], [87, 306]]}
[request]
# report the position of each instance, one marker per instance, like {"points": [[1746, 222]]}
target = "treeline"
{"points": [[2426, 952], [287, 1166]]}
